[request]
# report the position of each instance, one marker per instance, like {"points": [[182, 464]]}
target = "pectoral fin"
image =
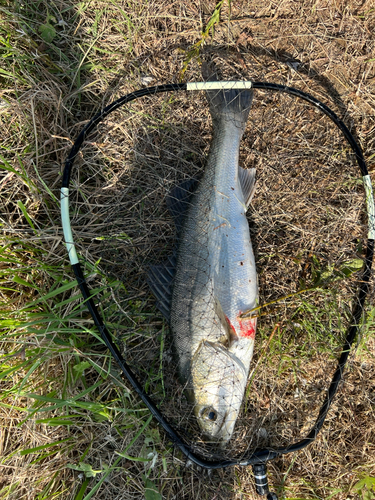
{"points": [[229, 331]]}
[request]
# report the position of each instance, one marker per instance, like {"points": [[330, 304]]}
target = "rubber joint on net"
{"points": [[272, 496], [261, 481]]}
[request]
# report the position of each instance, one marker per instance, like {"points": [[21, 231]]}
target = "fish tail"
{"points": [[232, 105]]}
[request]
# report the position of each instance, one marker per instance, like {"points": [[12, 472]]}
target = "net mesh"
{"points": [[308, 225]]}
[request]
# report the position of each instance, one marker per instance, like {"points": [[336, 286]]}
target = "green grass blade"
{"points": [[27, 451]]}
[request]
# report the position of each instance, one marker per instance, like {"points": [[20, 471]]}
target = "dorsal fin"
{"points": [[160, 279], [178, 201], [247, 181]]}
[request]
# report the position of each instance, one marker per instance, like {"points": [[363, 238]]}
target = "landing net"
{"points": [[311, 224]]}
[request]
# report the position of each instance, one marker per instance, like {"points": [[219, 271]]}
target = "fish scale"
{"points": [[215, 276]]}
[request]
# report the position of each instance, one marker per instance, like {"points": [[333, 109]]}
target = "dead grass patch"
{"points": [[100, 51]]}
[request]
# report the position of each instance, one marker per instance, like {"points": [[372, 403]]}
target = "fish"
{"points": [[211, 280]]}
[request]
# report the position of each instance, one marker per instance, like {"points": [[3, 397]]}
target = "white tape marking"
{"points": [[260, 477], [66, 226], [218, 85], [370, 206]]}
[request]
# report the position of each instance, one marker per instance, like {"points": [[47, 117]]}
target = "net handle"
{"points": [[260, 455]]}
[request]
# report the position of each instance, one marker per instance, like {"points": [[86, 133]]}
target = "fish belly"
{"points": [[215, 260]]}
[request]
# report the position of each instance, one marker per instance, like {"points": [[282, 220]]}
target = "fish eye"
{"points": [[209, 414]]}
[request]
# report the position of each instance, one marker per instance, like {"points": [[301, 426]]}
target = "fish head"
{"points": [[218, 380]]}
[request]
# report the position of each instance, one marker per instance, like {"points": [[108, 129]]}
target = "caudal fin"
{"points": [[230, 105]]}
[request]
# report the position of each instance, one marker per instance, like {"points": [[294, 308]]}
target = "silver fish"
{"points": [[212, 280]]}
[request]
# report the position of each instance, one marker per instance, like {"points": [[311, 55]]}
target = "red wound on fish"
{"points": [[247, 326]]}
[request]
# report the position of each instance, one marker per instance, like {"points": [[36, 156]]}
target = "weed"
{"points": [[209, 30]]}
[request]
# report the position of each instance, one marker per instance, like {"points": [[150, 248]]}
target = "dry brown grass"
{"points": [[105, 50]]}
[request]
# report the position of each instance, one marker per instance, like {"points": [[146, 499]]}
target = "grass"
{"points": [[71, 428]]}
